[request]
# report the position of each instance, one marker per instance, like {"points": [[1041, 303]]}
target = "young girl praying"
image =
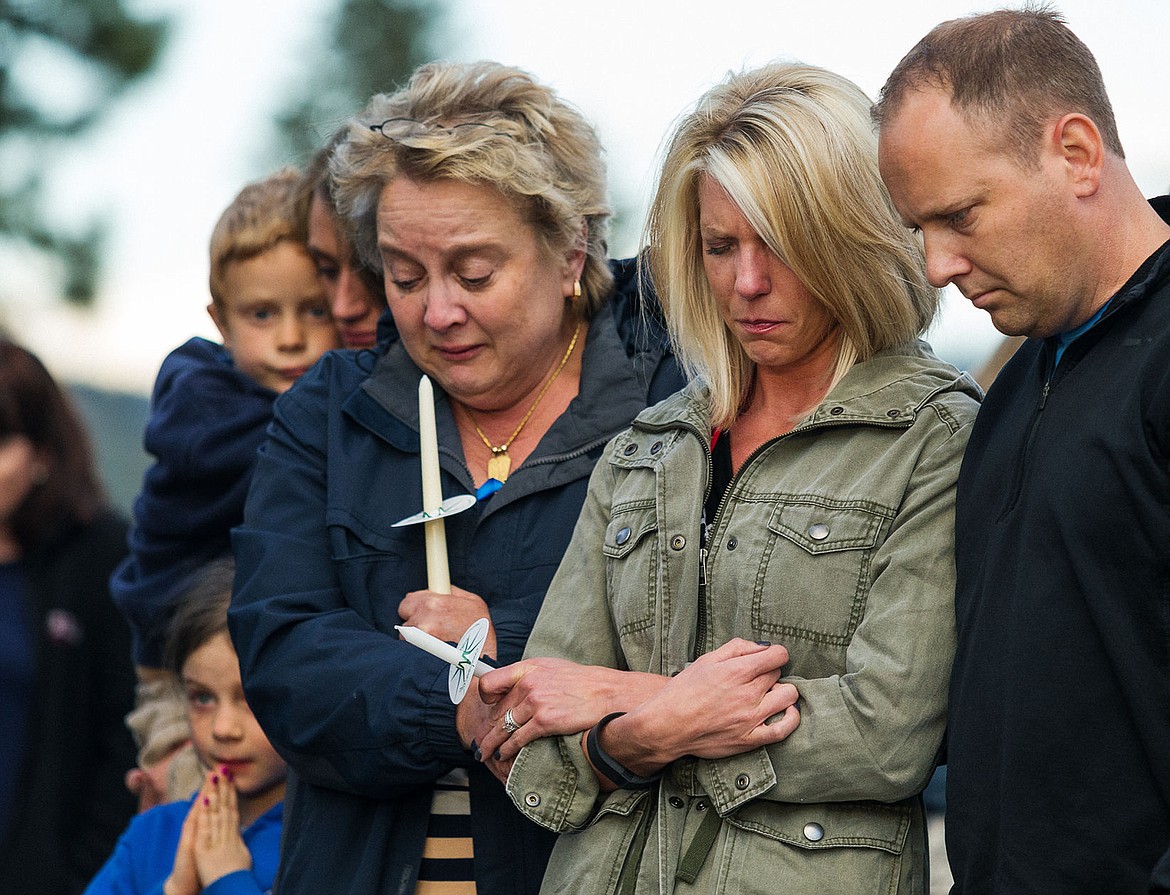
{"points": [[226, 839]]}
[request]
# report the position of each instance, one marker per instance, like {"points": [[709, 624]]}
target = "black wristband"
{"points": [[607, 765]]}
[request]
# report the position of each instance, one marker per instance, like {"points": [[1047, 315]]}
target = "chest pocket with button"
{"points": [[633, 566], [632, 542], [817, 568]]}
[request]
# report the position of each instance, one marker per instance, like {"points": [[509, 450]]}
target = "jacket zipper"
{"points": [[1033, 428], [704, 534]]}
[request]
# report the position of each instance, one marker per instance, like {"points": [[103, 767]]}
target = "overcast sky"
{"points": [[180, 146]]}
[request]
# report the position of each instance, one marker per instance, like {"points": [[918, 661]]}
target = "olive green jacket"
{"points": [[834, 540]]}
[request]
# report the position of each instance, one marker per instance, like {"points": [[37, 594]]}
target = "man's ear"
{"points": [[1082, 150]]}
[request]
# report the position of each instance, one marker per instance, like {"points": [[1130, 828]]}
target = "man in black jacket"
{"points": [[998, 142]]}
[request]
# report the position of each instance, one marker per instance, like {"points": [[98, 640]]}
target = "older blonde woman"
{"points": [[481, 197], [791, 510]]}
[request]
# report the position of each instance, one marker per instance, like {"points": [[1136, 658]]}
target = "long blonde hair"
{"points": [[794, 148]]}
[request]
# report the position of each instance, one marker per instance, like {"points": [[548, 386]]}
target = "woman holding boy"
{"points": [[209, 410], [356, 294]]}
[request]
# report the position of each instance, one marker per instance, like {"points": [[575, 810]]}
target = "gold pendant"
{"points": [[499, 465]]}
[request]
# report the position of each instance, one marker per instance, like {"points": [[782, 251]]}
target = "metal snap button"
{"points": [[893, 413], [675, 802], [818, 531], [814, 832], [678, 542], [742, 781], [836, 411], [656, 447], [623, 535], [630, 450], [701, 805], [532, 799], [732, 543]]}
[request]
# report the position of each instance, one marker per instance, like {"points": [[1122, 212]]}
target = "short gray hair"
{"points": [[489, 124]]}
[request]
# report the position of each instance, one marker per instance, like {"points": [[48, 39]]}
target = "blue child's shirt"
{"points": [[145, 854]]}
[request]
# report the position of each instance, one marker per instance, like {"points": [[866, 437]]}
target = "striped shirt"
{"points": [[447, 867]]}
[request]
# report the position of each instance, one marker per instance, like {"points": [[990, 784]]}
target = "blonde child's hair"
{"points": [[262, 214]]}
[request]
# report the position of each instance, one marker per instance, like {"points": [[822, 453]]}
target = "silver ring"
{"points": [[510, 725]]}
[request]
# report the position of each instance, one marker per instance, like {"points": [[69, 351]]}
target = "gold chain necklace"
{"points": [[500, 463]]}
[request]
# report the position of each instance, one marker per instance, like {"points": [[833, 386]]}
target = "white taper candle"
{"points": [[438, 573], [440, 649]]}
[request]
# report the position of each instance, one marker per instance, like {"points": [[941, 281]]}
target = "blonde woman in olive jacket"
{"points": [[738, 680]]}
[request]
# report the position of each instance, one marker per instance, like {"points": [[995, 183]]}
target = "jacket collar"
{"points": [[1153, 272], [892, 387], [887, 390], [612, 390], [1144, 282]]}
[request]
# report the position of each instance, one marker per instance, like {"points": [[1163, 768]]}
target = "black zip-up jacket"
{"points": [[71, 804], [1059, 737]]}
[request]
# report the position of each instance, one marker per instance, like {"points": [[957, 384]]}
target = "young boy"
{"points": [[210, 408], [228, 834]]}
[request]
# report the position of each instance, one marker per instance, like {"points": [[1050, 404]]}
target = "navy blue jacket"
{"points": [[206, 421], [363, 718], [1059, 736]]}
